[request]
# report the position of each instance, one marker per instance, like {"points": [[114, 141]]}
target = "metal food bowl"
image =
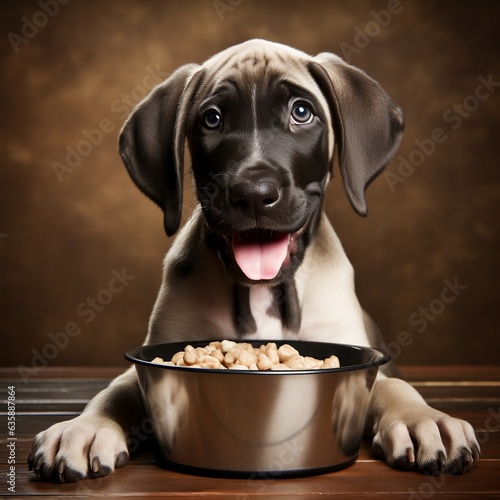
{"points": [[259, 423]]}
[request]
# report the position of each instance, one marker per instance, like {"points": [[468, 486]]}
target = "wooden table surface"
{"points": [[56, 394]]}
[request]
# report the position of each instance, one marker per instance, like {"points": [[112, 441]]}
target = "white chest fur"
{"points": [[261, 302]]}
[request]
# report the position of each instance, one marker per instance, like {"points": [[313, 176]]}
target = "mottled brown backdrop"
{"points": [[71, 221]]}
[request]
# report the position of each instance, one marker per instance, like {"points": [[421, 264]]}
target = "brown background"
{"points": [[88, 63]]}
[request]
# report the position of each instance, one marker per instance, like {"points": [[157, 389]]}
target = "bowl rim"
{"points": [[132, 356]]}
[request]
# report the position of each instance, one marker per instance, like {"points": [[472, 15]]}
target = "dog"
{"points": [[258, 258]]}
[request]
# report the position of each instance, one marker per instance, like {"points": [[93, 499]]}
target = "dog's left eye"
{"points": [[301, 114], [212, 119]]}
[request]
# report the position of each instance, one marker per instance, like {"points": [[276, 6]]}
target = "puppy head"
{"points": [[262, 121]]}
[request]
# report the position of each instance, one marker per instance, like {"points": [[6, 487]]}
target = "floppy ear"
{"points": [[151, 143], [367, 123]]}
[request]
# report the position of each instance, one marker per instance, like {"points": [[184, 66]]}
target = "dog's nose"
{"points": [[255, 198]]}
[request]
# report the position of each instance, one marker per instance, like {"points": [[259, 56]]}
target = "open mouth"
{"points": [[261, 254]]}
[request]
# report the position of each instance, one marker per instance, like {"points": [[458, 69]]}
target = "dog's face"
{"points": [[259, 147], [261, 120]]}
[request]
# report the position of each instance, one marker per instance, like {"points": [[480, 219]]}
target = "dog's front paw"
{"points": [[427, 440], [87, 446]]}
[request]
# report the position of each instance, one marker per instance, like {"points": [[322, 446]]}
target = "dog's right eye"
{"points": [[301, 114], [212, 119]]}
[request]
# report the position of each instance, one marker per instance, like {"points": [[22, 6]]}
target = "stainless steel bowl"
{"points": [[251, 423]]}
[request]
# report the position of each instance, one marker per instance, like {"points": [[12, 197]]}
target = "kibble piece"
{"points": [[279, 366], [331, 362], [238, 367], [295, 362], [207, 361], [246, 358], [286, 351], [178, 359], [231, 356], [226, 345], [263, 362], [217, 354], [272, 352], [312, 363], [190, 355], [216, 344]]}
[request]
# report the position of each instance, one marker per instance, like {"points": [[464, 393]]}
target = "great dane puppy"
{"points": [[258, 258]]}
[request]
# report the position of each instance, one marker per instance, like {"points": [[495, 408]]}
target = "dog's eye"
{"points": [[301, 114], [212, 119]]}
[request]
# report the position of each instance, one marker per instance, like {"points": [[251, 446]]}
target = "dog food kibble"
{"points": [[227, 354]]}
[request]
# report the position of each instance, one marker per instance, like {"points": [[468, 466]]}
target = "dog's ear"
{"points": [[151, 143], [367, 123]]}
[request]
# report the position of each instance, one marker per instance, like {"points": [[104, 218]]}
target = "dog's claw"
{"points": [[38, 467], [60, 472], [406, 461], [461, 464], [99, 470], [433, 467], [121, 459], [69, 475], [476, 452]]}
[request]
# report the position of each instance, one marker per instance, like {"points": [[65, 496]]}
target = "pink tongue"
{"points": [[260, 258]]}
